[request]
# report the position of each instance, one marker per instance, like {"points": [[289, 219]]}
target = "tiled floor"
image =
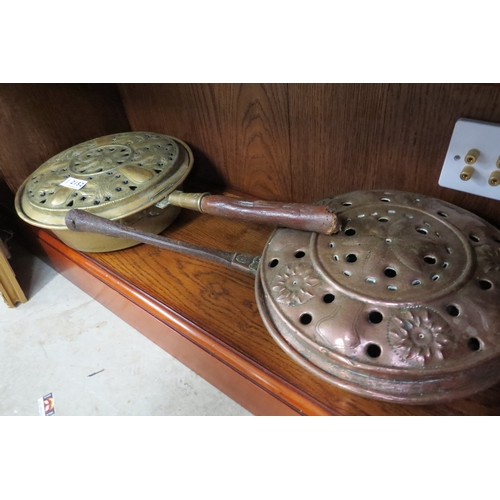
{"points": [[63, 342]]}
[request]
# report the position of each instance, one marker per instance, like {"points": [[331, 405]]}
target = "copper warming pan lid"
{"points": [[401, 305]]}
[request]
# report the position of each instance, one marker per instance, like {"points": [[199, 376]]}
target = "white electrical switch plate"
{"points": [[471, 135]]}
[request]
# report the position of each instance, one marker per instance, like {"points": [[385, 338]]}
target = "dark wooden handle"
{"points": [[80, 220], [316, 218]]}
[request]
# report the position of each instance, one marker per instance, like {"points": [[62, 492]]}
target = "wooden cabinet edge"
{"points": [[249, 385], [10, 290]]}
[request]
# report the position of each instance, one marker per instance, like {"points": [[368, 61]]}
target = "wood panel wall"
{"points": [[302, 142], [38, 121], [289, 142]]}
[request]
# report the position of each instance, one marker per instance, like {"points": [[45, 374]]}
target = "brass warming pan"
{"points": [[135, 177], [401, 305]]}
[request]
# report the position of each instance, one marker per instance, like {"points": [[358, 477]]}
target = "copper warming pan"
{"points": [[135, 177], [401, 305]]}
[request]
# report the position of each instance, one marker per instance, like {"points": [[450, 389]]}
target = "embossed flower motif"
{"points": [[295, 284], [489, 258], [419, 336]]}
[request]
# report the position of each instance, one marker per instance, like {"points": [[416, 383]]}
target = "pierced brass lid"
{"points": [[401, 305], [112, 176]]}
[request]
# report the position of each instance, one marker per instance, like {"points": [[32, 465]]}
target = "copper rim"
{"points": [[400, 306]]}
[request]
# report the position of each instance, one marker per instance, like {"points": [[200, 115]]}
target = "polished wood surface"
{"points": [[215, 309], [37, 121], [295, 142], [304, 142], [10, 291], [239, 133]]}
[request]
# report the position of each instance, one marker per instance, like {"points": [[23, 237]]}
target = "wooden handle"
{"points": [[316, 218], [80, 220]]}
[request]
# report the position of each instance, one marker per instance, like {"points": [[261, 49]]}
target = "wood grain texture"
{"points": [[143, 314], [38, 121], [215, 308], [295, 142], [239, 133], [303, 142], [393, 136]]}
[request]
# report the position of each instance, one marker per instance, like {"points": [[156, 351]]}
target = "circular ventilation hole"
{"points": [[385, 199], [485, 284], [350, 232], [421, 230], [347, 204], [328, 298], [305, 318], [392, 288], [331, 244], [373, 350], [435, 277], [351, 258], [273, 263], [428, 259], [371, 280], [336, 258], [375, 317], [299, 254], [473, 237], [347, 273], [442, 214], [390, 272], [445, 264], [416, 282], [452, 310], [473, 344], [383, 219]]}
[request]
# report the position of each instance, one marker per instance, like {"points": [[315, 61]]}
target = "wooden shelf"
{"points": [[206, 316]]}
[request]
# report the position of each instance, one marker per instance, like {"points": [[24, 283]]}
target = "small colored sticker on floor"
{"points": [[46, 405]]}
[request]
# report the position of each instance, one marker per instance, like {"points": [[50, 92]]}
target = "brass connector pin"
{"points": [[494, 179], [472, 156], [467, 172]]}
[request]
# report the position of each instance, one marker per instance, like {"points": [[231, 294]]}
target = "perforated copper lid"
{"points": [[111, 176], [402, 305]]}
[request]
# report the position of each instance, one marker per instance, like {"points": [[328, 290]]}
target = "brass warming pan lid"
{"points": [[402, 305], [135, 177], [114, 176]]}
